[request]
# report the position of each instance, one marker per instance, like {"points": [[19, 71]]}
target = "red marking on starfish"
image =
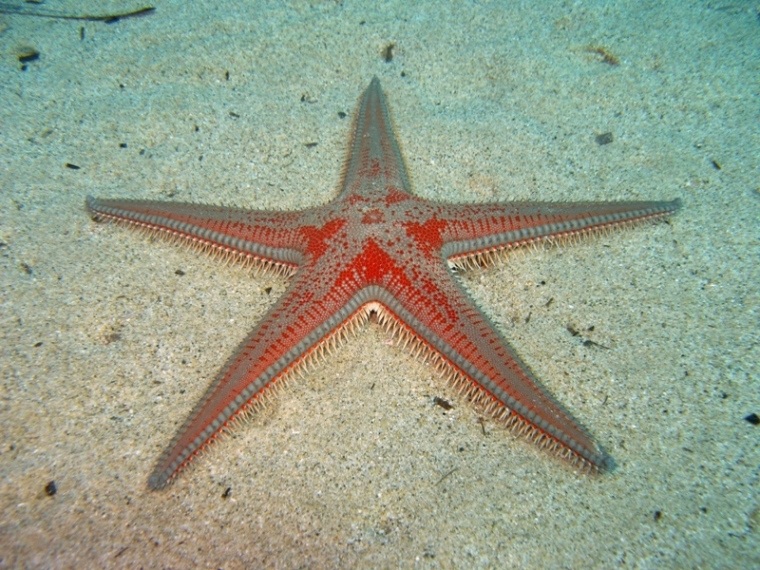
{"points": [[377, 250]]}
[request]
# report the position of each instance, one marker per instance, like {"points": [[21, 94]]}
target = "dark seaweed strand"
{"points": [[10, 9]]}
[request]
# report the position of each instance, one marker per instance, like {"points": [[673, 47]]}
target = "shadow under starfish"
{"points": [[377, 249]]}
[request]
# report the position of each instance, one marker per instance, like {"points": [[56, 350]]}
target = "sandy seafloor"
{"points": [[108, 337]]}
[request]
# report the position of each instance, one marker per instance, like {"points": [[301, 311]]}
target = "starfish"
{"points": [[377, 250]]}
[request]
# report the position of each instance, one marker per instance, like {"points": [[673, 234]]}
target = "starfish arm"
{"points": [[271, 238], [304, 324], [474, 230], [374, 156], [469, 349]]}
